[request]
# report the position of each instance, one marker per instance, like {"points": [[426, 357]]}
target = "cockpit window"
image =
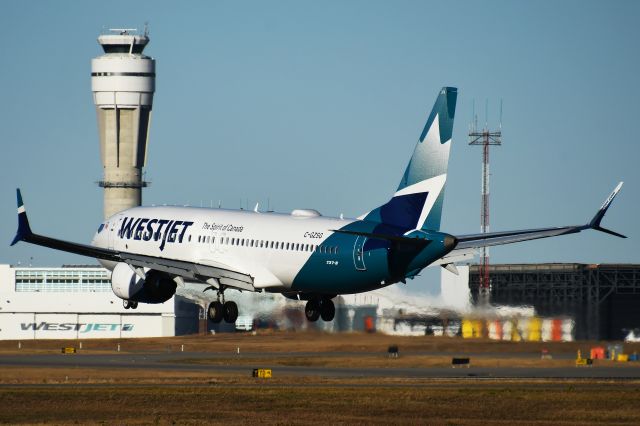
{"points": [[101, 227]]}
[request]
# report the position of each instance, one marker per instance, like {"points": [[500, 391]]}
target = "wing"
{"points": [[214, 273], [507, 237]]}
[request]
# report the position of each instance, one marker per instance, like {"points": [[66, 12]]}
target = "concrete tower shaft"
{"points": [[123, 83]]}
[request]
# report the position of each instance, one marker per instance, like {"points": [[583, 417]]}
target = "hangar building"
{"points": [[603, 299], [74, 302]]}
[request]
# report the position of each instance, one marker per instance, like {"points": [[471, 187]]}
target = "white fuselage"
{"points": [[271, 247]]}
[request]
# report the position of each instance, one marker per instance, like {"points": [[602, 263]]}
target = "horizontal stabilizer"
{"points": [[419, 242]]}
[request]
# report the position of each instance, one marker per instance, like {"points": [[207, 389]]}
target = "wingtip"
{"points": [[24, 230], [595, 222]]}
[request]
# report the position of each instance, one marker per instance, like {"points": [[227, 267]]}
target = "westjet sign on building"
{"points": [[74, 326], [77, 303]]}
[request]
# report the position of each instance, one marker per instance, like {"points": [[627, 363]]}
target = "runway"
{"points": [[188, 362]]}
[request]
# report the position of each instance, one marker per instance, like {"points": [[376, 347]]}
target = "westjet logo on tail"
{"points": [[164, 230]]}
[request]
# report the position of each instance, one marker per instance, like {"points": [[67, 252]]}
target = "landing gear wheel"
{"points": [[230, 312], [327, 310], [127, 304], [133, 305], [215, 311], [312, 310]]}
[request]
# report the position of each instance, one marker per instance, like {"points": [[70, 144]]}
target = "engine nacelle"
{"points": [[157, 287]]}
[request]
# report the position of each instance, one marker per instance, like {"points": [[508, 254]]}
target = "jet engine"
{"points": [[157, 287]]}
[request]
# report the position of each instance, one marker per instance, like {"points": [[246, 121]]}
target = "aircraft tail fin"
{"points": [[417, 203]]}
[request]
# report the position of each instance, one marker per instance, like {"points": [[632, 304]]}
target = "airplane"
{"points": [[303, 255]]}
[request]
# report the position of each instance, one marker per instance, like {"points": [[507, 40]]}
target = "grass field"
{"points": [[450, 403], [76, 395]]}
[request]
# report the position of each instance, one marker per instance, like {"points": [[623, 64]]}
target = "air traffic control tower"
{"points": [[123, 83]]}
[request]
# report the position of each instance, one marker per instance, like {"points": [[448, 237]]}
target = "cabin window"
{"points": [[198, 238], [213, 240], [189, 238]]}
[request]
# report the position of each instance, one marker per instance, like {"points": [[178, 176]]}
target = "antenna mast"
{"points": [[485, 138]]}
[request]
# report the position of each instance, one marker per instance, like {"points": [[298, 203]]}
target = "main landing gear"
{"points": [[129, 304], [220, 310], [320, 307]]}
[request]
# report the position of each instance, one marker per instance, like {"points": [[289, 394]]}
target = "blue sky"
{"points": [[319, 104]]}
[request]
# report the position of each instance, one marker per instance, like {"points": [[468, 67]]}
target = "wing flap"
{"points": [[499, 238], [456, 255]]}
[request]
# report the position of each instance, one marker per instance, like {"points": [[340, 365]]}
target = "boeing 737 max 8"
{"points": [[303, 255]]}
